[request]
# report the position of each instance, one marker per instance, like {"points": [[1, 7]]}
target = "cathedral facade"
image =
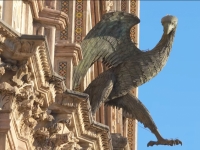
{"points": [[39, 47]]}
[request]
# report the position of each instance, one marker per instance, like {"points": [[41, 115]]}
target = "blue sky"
{"points": [[172, 97]]}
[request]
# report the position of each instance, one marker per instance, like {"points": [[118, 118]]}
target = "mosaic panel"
{"points": [[65, 9], [62, 70], [131, 129], [123, 5], [133, 10], [131, 122], [78, 21]]}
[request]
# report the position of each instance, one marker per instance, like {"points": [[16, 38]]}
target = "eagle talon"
{"points": [[151, 143], [165, 142]]}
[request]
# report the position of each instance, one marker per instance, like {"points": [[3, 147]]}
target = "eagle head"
{"points": [[169, 23]]}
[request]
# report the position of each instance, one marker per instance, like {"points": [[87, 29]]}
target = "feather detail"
{"points": [[107, 41]]}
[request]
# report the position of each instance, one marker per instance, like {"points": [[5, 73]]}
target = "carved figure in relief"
{"points": [[109, 5], [129, 67]]}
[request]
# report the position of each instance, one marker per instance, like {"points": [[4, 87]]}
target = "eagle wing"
{"points": [[108, 41]]}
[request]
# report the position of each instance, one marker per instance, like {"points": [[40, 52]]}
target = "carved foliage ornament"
{"points": [[33, 118], [35, 121]]}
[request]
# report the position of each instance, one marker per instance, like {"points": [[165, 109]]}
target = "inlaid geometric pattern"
{"points": [[123, 5], [131, 122], [133, 10], [131, 137], [78, 21], [65, 9], [63, 69]]}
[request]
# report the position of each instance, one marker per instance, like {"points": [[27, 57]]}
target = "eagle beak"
{"points": [[168, 27]]}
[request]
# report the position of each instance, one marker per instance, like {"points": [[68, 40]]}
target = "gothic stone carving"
{"points": [[119, 142], [27, 91]]}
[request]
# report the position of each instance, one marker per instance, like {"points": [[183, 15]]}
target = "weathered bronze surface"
{"points": [[129, 67]]}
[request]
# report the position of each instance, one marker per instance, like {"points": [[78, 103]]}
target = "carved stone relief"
{"points": [[119, 142], [35, 121], [5, 98], [28, 88], [56, 134], [109, 5], [7, 95]]}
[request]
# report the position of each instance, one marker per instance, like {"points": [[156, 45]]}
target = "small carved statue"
{"points": [[109, 5]]}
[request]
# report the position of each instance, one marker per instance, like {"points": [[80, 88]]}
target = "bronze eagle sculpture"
{"points": [[129, 67]]}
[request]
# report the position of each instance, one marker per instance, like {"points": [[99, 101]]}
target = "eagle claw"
{"points": [[165, 142]]}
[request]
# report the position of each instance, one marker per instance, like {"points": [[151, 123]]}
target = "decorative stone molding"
{"points": [[77, 108], [72, 50], [60, 129], [7, 31], [58, 81], [37, 111], [19, 95], [16, 49], [67, 55], [43, 55], [47, 16], [54, 18], [21, 48], [6, 95]]}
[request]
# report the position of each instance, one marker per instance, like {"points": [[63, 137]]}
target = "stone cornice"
{"points": [[78, 103], [45, 59], [69, 50], [16, 48], [53, 18], [21, 48], [42, 74], [47, 16], [20, 53], [7, 31]]}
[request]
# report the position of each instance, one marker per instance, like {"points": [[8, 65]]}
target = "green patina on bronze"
{"points": [[129, 67]]}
